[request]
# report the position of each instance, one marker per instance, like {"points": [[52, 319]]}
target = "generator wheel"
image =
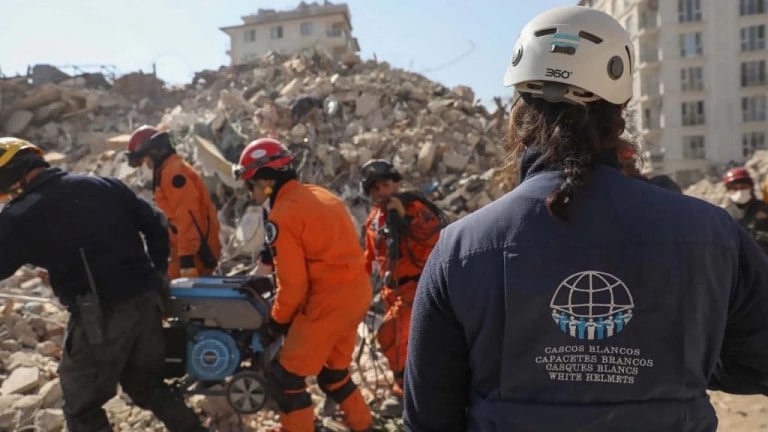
{"points": [[246, 392]]}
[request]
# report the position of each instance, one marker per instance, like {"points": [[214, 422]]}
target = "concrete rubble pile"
{"points": [[335, 117], [711, 189]]}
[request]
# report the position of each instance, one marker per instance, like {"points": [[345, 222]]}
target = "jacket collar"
{"points": [[534, 162], [282, 188]]}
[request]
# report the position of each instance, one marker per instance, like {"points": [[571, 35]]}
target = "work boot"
{"points": [[391, 407]]}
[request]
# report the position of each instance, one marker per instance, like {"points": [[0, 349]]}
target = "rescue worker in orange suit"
{"points": [[323, 291], [400, 232], [181, 194]]}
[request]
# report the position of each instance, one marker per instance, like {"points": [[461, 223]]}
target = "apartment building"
{"points": [[324, 25], [701, 85]]}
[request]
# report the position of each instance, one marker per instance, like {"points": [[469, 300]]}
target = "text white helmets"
{"points": [[585, 52]]}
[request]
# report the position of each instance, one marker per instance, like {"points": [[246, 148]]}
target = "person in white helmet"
{"points": [[583, 300]]}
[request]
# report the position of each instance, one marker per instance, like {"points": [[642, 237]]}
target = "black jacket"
{"points": [[61, 213]]}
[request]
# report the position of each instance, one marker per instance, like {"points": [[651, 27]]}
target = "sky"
{"points": [[450, 41]]}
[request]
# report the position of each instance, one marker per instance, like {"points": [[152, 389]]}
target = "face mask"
{"points": [[740, 197]]}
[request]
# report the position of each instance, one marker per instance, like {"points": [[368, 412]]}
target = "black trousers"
{"points": [[131, 354]]}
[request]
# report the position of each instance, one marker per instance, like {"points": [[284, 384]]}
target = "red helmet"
{"points": [[262, 153], [736, 174], [137, 144]]}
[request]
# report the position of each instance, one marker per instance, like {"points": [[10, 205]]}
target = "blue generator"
{"points": [[213, 338]]}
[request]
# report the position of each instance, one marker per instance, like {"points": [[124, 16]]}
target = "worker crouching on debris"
{"points": [[323, 291], [749, 211], [182, 196], [400, 232], [87, 231], [583, 300]]}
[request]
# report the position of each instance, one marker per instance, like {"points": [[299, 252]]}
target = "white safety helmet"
{"points": [[575, 54]]}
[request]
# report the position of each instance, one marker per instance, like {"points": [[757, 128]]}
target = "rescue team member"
{"points": [[323, 292], [743, 206], [87, 231], [181, 194], [583, 300], [400, 232]]}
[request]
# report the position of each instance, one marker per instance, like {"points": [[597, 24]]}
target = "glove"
{"points": [[189, 272], [256, 285], [273, 330], [395, 204]]}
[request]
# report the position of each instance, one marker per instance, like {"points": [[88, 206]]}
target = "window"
{"points": [[692, 79], [690, 44], [753, 73], [249, 35], [752, 7], [276, 32], [693, 113], [307, 28], [752, 141], [649, 19], [753, 38], [689, 10], [337, 29], [753, 108], [693, 147]]}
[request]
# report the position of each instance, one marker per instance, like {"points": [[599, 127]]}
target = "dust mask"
{"points": [[741, 196]]}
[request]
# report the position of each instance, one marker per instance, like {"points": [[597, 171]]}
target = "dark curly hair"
{"points": [[569, 137]]}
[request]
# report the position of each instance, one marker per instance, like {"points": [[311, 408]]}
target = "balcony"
{"points": [[651, 89], [648, 59], [648, 25]]}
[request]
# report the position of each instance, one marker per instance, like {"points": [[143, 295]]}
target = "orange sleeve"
{"points": [[424, 231], [290, 265], [183, 196]]}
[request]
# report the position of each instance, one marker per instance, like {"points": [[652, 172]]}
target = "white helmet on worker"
{"points": [[573, 54]]}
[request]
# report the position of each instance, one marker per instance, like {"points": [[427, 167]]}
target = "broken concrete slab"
{"points": [[21, 380], [365, 104], [50, 420], [17, 122], [51, 394]]}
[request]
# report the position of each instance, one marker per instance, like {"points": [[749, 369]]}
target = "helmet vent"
{"points": [[545, 32], [590, 37]]}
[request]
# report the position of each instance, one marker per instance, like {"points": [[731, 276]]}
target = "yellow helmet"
{"points": [[10, 147], [17, 156]]}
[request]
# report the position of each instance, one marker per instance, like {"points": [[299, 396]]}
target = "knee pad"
{"points": [[288, 389], [336, 383]]}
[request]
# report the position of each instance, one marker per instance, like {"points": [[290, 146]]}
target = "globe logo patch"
{"points": [[592, 305]]}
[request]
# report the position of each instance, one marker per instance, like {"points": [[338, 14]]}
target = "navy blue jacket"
{"points": [[618, 319], [61, 213]]}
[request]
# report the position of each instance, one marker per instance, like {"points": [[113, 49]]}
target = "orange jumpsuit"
{"points": [[416, 243], [324, 292], [182, 196]]}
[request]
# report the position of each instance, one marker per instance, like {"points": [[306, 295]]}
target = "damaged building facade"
{"points": [[325, 26]]}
